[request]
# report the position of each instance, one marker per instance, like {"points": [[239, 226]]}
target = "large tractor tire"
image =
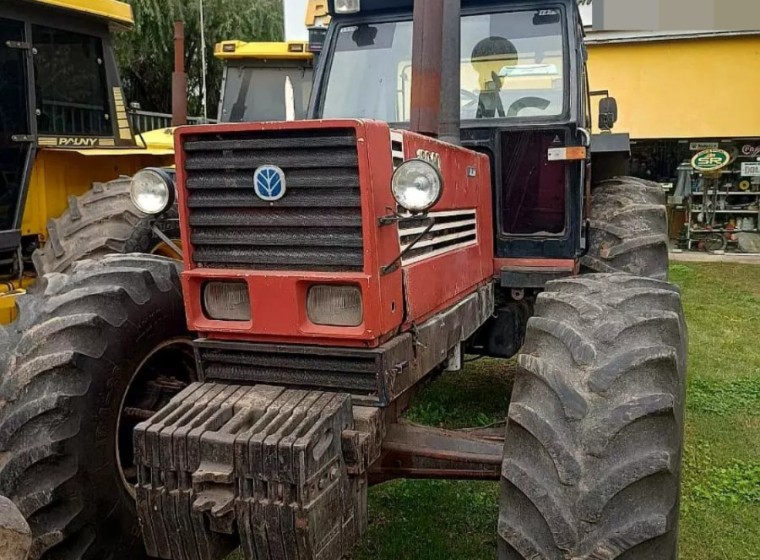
{"points": [[592, 458], [629, 229], [102, 221], [15, 534], [95, 351]]}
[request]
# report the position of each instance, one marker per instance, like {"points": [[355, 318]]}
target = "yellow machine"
{"points": [[66, 146], [265, 81], [272, 81]]}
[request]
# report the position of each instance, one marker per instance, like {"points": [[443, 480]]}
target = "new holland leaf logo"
{"points": [[269, 183]]}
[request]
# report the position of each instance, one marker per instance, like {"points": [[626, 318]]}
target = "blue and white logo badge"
{"points": [[269, 183]]}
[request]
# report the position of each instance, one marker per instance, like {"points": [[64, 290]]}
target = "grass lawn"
{"points": [[434, 520]]}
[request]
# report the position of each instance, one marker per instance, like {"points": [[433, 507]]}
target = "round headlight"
{"points": [[152, 190], [417, 185]]}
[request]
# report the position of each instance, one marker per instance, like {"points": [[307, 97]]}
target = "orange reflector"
{"points": [[572, 153]]}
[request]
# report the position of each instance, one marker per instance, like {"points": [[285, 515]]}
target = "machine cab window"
{"points": [[13, 121], [512, 66], [257, 91], [70, 76], [265, 81]]}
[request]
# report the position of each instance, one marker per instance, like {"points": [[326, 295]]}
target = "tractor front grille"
{"points": [[316, 226]]}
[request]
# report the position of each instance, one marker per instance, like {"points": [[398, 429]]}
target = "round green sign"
{"points": [[708, 161]]}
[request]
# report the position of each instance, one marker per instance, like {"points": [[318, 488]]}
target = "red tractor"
{"points": [[331, 267]]}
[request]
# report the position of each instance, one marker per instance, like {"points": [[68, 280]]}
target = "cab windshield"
{"points": [[255, 93], [512, 66]]}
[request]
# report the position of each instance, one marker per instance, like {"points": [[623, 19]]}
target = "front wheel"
{"points": [[592, 458], [93, 353]]}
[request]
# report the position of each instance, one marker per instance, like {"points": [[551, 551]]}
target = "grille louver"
{"points": [[316, 226], [451, 230]]}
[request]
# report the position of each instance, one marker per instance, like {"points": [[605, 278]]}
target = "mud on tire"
{"points": [[102, 221], [629, 228], [592, 457], [74, 349]]}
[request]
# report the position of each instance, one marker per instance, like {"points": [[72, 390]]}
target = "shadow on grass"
{"points": [[433, 520], [476, 396]]}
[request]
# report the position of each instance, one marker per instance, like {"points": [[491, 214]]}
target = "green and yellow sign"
{"points": [[710, 161]]}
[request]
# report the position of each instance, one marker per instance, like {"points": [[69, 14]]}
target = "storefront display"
{"points": [[713, 188]]}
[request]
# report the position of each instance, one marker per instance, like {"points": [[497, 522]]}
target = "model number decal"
{"points": [[432, 157]]}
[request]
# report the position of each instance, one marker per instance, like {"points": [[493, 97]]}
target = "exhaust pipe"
{"points": [[179, 77], [427, 42], [450, 128], [436, 79]]}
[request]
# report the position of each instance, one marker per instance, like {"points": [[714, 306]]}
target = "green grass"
{"points": [[433, 520], [721, 486]]}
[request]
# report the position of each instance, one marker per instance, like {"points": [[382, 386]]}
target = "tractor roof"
{"points": [[383, 5], [236, 50], [115, 12]]}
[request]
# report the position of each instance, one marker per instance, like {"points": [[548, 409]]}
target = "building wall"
{"points": [[687, 88]]}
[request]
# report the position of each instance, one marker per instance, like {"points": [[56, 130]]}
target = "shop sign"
{"points": [[707, 161], [750, 169], [751, 151], [699, 146]]}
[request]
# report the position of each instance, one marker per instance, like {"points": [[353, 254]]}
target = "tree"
{"points": [[146, 54]]}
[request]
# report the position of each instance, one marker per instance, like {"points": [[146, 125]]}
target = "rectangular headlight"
{"points": [[227, 301], [336, 306], [347, 6]]}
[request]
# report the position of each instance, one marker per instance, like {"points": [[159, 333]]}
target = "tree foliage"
{"points": [[146, 54]]}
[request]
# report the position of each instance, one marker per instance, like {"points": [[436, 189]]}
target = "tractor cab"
{"points": [[523, 101], [59, 90], [265, 81]]}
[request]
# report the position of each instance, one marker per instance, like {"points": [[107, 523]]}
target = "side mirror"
{"points": [[608, 113]]}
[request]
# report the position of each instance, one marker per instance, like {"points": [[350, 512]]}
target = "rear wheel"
{"points": [[102, 221], [592, 458], [93, 353], [629, 228]]}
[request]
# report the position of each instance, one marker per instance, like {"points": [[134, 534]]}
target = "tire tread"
{"points": [[62, 332], [586, 482]]}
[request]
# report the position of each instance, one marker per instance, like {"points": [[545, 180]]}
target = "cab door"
{"points": [[16, 137]]}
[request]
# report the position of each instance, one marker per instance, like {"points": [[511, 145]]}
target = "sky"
{"points": [[295, 16]]}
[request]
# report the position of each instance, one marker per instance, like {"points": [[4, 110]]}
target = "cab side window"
{"points": [[70, 81]]}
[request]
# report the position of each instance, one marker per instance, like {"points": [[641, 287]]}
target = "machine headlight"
{"points": [[336, 306], [152, 190], [417, 185], [227, 301], [347, 6]]}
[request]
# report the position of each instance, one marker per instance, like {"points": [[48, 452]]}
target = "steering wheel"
{"points": [[527, 103]]}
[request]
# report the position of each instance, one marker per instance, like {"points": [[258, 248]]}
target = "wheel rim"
{"points": [[164, 372], [715, 242]]}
